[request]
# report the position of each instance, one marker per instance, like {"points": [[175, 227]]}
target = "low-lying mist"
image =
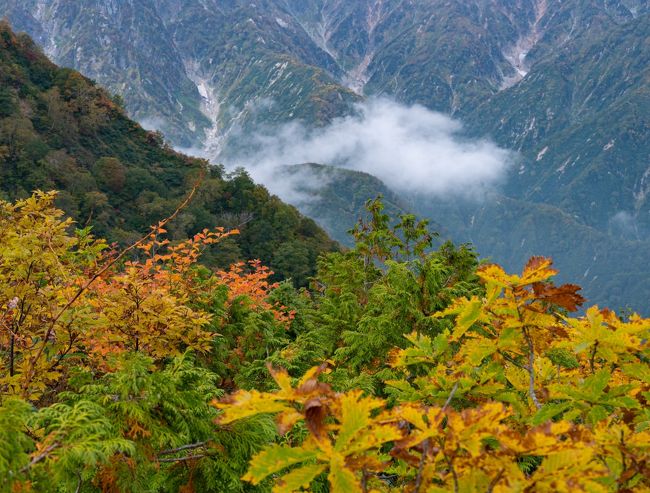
{"points": [[410, 148]]}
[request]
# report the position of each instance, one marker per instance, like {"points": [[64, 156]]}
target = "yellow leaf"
{"points": [[274, 459], [355, 415], [244, 404], [342, 479], [537, 269], [298, 478], [494, 274]]}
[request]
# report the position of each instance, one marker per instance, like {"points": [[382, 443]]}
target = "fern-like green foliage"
{"points": [[139, 428], [16, 445], [386, 317], [368, 298]]}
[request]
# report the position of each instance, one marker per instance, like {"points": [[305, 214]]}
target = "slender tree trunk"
{"points": [[12, 344]]}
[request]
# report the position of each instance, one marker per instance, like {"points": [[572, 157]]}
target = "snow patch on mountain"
{"points": [[210, 107], [517, 54], [357, 78]]}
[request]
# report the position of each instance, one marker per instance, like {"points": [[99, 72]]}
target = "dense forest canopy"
{"points": [[58, 130]]}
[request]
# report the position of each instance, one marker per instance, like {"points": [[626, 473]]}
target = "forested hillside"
{"points": [[59, 131]]}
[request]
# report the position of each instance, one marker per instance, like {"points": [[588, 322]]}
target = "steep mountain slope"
{"points": [[580, 118], [60, 131], [195, 69], [124, 46], [439, 54], [612, 271], [256, 65], [244, 63]]}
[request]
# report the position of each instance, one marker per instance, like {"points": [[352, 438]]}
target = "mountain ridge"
{"points": [[58, 130]]}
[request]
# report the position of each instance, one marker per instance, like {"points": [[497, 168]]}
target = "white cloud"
{"points": [[410, 148], [153, 123]]}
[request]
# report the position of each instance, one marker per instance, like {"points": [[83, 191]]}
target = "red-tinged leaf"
{"points": [[537, 269], [565, 296]]}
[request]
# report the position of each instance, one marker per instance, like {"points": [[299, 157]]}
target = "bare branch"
{"points": [[495, 481], [531, 369], [42, 456], [183, 459], [451, 396], [184, 447]]}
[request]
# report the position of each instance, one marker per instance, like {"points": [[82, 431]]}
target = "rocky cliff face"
{"points": [[198, 69]]}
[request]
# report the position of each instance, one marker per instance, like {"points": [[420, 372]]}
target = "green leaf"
{"points": [[298, 478], [467, 316], [596, 414], [275, 458], [596, 383], [638, 371], [549, 411], [341, 479]]}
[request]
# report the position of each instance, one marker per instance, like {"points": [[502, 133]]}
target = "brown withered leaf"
{"points": [[315, 413], [565, 296], [313, 386], [403, 454], [309, 383]]}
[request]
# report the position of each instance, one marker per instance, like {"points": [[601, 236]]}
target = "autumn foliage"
{"points": [[514, 396], [402, 369]]}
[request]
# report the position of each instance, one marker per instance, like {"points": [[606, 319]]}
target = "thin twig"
{"points": [[425, 443], [183, 459], [454, 475], [451, 396], [364, 481], [495, 481], [184, 447], [592, 359], [43, 455], [511, 360], [420, 475]]}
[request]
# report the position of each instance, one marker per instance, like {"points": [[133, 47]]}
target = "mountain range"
{"points": [[564, 84]]}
